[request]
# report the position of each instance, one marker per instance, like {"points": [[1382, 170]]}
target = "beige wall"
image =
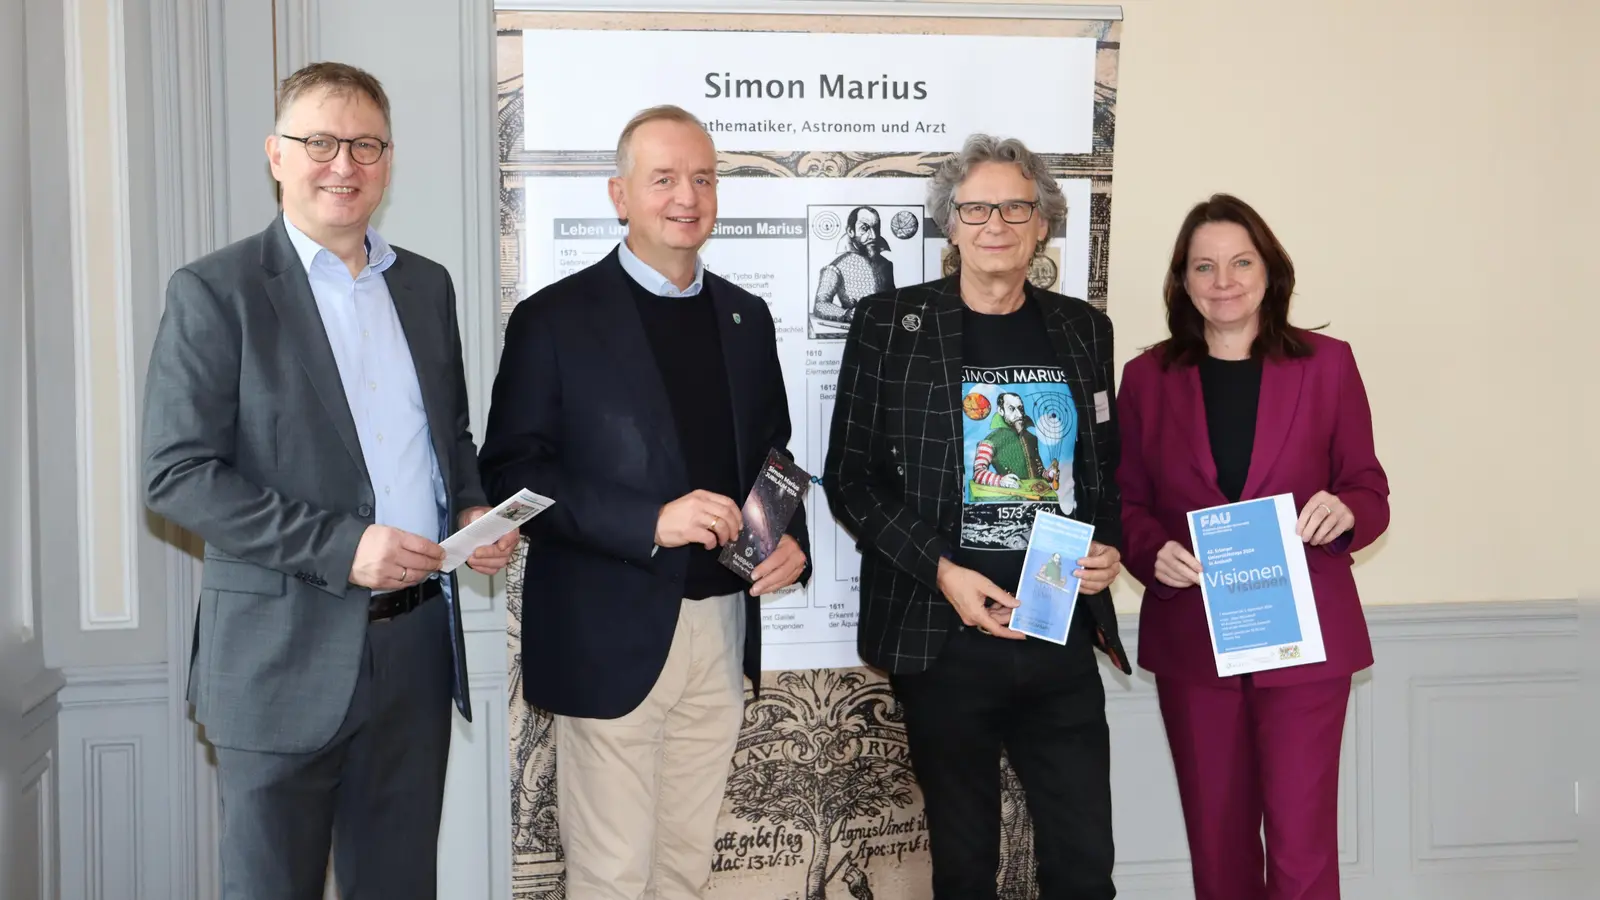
{"points": [[1582, 232], [1424, 162]]}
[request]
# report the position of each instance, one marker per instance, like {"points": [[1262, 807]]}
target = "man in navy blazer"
{"points": [[643, 395]]}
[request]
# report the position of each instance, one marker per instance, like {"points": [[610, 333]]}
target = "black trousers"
{"points": [[1044, 705], [375, 793]]}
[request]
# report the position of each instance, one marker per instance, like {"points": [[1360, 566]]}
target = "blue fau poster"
{"points": [[1255, 585]]}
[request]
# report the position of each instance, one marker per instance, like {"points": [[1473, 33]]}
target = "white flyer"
{"points": [[491, 526]]}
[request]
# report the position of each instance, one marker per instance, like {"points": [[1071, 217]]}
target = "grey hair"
{"points": [[664, 113], [986, 148]]}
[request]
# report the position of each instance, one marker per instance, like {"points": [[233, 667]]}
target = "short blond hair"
{"points": [[338, 79], [663, 113]]}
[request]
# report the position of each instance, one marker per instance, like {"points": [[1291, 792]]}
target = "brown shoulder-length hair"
{"points": [[1186, 343]]}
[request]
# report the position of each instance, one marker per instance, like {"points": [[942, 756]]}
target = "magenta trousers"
{"points": [[1253, 757]]}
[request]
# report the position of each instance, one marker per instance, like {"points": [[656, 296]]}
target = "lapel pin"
{"points": [[736, 319], [911, 322]]}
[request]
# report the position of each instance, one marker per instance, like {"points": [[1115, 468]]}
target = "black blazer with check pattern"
{"points": [[894, 471]]}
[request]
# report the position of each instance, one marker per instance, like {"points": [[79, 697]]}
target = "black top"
{"points": [[1007, 360], [1232, 390], [683, 335]]}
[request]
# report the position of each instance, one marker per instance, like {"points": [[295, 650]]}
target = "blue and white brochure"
{"points": [[1256, 586], [1048, 592]]}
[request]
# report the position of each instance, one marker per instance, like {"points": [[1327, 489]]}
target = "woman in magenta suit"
{"points": [[1234, 405]]}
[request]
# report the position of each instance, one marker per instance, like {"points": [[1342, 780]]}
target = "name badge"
{"points": [[1102, 406]]}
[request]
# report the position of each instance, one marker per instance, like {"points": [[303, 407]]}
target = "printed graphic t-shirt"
{"points": [[1020, 428]]}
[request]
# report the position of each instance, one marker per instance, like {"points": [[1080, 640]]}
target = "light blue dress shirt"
{"points": [[380, 384], [655, 282]]}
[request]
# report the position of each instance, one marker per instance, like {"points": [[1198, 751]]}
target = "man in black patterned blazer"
{"points": [[965, 407]]}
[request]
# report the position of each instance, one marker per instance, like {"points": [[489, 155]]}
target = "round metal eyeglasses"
{"points": [[325, 147]]}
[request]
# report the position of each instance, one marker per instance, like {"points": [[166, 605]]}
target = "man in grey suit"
{"points": [[306, 414]]}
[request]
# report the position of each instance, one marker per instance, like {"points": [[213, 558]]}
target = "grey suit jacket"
{"points": [[249, 443]]}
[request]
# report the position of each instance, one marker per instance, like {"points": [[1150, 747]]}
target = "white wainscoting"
{"points": [[115, 802], [116, 797], [34, 849], [1456, 781], [29, 857], [1458, 777], [475, 835]]}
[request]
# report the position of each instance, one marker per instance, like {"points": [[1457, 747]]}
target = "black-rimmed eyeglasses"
{"points": [[1015, 212], [325, 147]]}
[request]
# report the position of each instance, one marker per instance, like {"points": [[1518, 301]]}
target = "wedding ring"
{"points": [[1325, 508], [405, 574], [714, 521]]}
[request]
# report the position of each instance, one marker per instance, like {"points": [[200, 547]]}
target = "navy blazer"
{"points": [[580, 414]]}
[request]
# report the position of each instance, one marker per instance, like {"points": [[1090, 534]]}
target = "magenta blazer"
{"points": [[1313, 432]]}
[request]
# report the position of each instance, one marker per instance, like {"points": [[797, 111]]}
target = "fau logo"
{"points": [[1210, 519]]}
